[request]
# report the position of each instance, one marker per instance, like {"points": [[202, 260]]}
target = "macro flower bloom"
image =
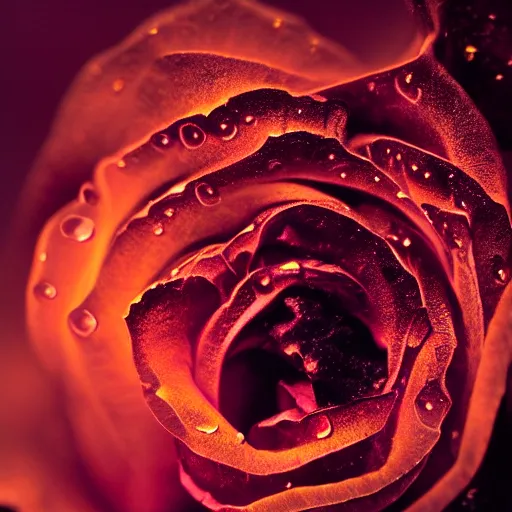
{"points": [[269, 270]]}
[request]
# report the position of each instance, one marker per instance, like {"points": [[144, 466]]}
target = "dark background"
{"points": [[44, 44]]}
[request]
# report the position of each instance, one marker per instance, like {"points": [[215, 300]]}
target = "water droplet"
{"points": [[324, 428], [277, 23], [118, 85], [499, 76], [206, 194], [331, 156], [161, 140], [248, 119], [226, 129], [289, 485], [371, 86], [414, 167], [77, 228], [82, 322], [121, 164], [407, 242], [88, 195], [343, 175], [45, 290], [153, 31], [376, 179], [43, 257], [500, 270], [192, 136], [207, 429], [401, 195], [427, 175], [432, 404], [310, 365], [404, 84], [469, 52], [263, 283], [169, 212], [240, 437], [158, 230]]}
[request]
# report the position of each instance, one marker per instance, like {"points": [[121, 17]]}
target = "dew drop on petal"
{"points": [[169, 212], [82, 322], [88, 195], [431, 404], [207, 429], [206, 194], [248, 119], [289, 485], [45, 290], [263, 283], [500, 270], [158, 230], [161, 140], [404, 85], [192, 136], [240, 437], [118, 85], [324, 428], [469, 52], [227, 129], [77, 228], [43, 256]]}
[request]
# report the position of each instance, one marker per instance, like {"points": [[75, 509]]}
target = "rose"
{"points": [[442, 311]]}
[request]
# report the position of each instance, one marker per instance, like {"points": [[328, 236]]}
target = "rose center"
{"points": [[302, 353]]}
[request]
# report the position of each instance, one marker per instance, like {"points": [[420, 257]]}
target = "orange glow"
{"points": [[225, 212]]}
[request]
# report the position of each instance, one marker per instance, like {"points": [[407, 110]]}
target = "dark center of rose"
{"points": [[305, 340]]}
